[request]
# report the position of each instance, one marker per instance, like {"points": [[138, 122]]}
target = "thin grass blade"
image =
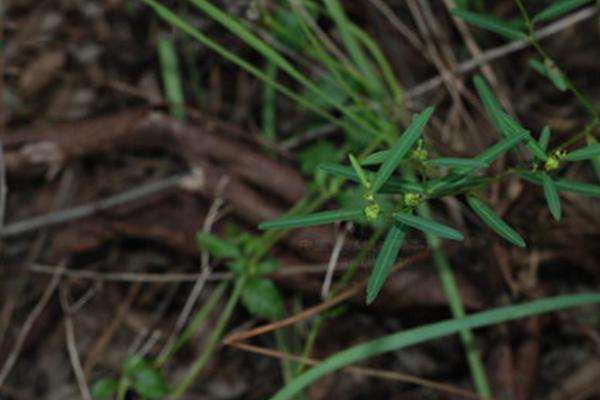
{"points": [[320, 218], [385, 260], [401, 148], [558, 8], [551, 194], [489, 23], [169, 67], [584, 153], [411, 337], [428, 226], [491, 219]]}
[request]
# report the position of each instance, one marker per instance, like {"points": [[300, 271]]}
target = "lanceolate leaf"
{"points": [[538, 66], [495, 151], [559, 8], [488, 216], [544, 138], [359, 171], [491, 104], [565, 185], [376, 158], [385, 260], [320, 218], [393, 185], [490, 23], [455, 162], [551, 194], [429, 226], [584, 153], [401, 147], [555, 75], [510, 127]]}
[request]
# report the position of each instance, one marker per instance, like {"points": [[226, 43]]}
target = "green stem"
{"points": [[194, 325], [213, 342]]}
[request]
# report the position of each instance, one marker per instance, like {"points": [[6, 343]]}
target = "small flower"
{"points": [[372, 212], [412, 199]]}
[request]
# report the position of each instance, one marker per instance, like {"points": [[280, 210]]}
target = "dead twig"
{"points": [[86, 210], [501, 51], [29, 321], [68, 311], [367, 372]]}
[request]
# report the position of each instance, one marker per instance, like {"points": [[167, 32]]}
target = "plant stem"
{"points": [[213, 341], [456, 307]]}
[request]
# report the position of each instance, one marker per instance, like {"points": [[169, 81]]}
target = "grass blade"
{"points": [[337, 13], [584, 153], [456, 162], [551, 194], [411, 337], [489, 23], [428, 226], [385, 260], [544, 138], [558, 8], [401, 147], [169, 68], [492, 220], [320, 218]]}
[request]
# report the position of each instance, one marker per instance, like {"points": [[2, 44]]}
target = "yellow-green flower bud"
{"points": [[412, 199], [372, 212]]}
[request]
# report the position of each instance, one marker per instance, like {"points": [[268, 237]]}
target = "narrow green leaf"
{"points": [[320, 218], [376, 158], [544, 138], [359, 171], [411, 337], [584, 153], [551, 194], [538, 66], [490, 103], [510, 127], [492, 220], [385, 260], [490, 23], [558, 8], [565, 185], [455, 162], [428, 226], [169, 68], [261, 298], [401, 147], [393, 185], [555, 75], [495, 151], [216, 246]]}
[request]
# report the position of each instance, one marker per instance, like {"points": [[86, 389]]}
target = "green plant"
{"points": [[138, 375], [359, 94]]}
